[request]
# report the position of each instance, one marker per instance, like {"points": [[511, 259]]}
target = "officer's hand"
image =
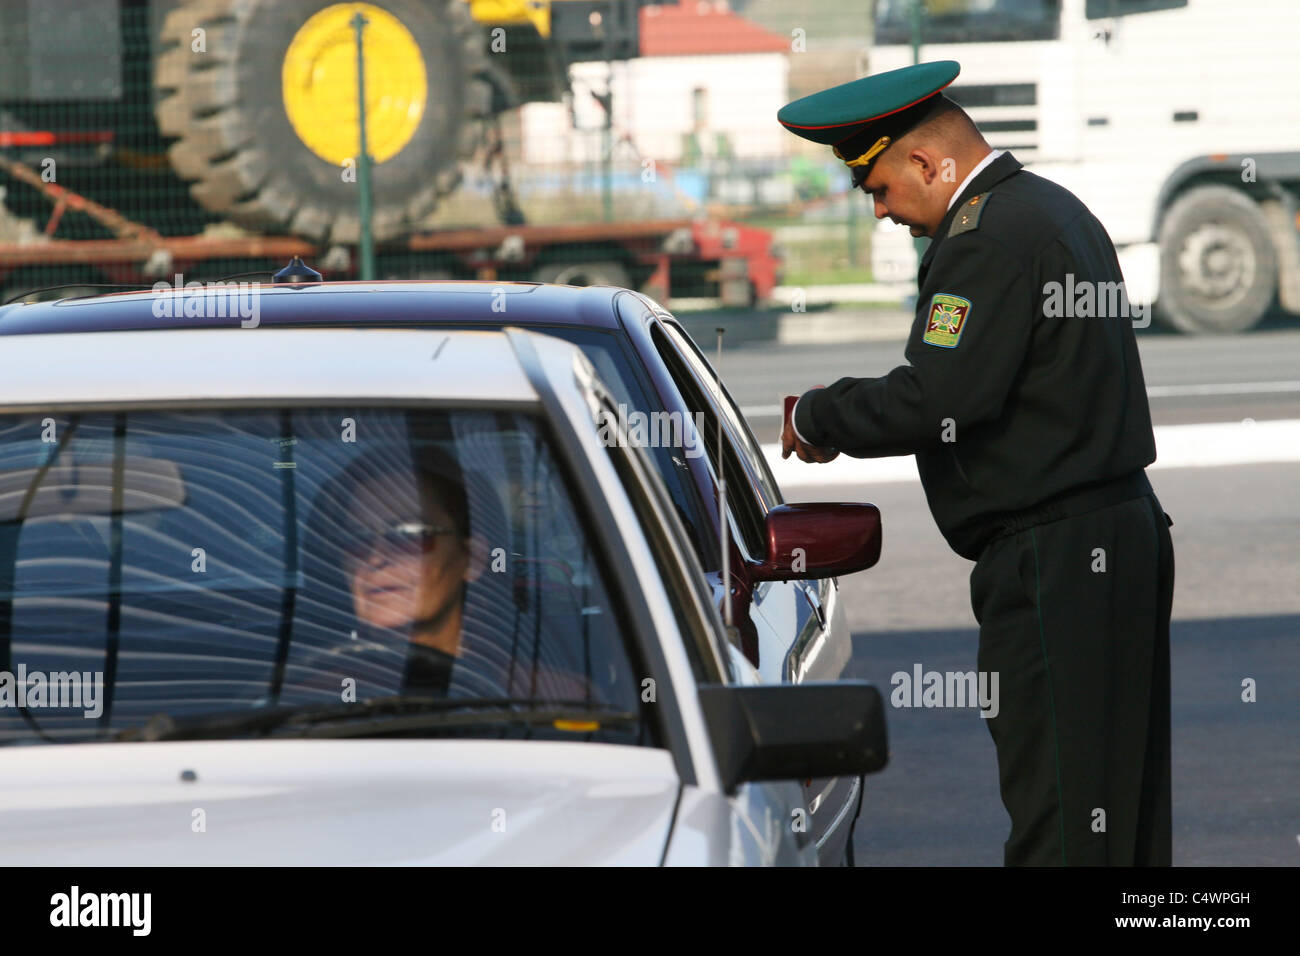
{"points": [[814, 453], [790, 441]]}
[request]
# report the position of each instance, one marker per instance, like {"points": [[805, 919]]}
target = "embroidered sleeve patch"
{"points": [[946, 321]]}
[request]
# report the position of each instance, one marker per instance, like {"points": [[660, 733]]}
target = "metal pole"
{"points": [[607, 146], [853, 228], [920, 242], [367, 250], [916, 31]]}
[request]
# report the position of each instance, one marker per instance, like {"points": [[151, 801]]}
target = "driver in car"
{"points": [[408, 556], [402, 545]]}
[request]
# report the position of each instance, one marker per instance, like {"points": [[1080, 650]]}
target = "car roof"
{"points": [[237, 365], [322, 303]]}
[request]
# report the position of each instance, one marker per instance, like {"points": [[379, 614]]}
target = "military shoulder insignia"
{"points": [[946, 321], [968, 215]]}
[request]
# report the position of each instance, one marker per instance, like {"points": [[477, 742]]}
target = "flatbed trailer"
{"points": [[664, 258]]}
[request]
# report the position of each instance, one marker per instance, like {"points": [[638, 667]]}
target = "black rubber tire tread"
{"points": [[235, 144]]}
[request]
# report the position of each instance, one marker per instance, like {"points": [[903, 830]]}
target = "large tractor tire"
{"points": [[261, 97], [1218, 266]]}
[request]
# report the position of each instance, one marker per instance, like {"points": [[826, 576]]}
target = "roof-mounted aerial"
{"points": [[295, 272]]}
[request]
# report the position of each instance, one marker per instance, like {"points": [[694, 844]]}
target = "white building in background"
{"points": [[704, 70]]}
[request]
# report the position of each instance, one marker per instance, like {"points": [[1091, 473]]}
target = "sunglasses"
{"points": [[407, 537]]}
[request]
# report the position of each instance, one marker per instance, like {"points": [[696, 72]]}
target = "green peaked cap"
{"points": [[855, 116]]}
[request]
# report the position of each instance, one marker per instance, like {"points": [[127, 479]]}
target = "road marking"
{"points": [[1177, 446], [1222, 388], [1155, 391]]}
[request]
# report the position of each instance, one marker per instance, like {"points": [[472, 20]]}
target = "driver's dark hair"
{"points": [[433, 468]]}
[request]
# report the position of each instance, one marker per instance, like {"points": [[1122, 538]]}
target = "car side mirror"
{"points": [[795, 731], [819, 540]]}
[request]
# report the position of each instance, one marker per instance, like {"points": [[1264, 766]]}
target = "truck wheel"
{"points": [[584, 273], [1218, 267], [261, 97]]}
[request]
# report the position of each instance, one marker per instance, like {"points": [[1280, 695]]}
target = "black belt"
{"points": [[1074, 502]]}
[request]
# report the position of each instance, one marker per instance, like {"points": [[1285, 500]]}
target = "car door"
{"points": [[797, 610], [801, 632], [764, 819]]}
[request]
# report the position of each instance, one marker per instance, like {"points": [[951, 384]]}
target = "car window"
{"points": [[196, 562], [749, 516], [692, 605], [607, 353], [747, 445]]}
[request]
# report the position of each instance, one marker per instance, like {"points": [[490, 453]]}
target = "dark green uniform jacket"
{"points": [[1011, 397]]}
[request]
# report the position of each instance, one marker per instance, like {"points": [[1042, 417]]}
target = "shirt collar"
{"points": [[993, 154]]}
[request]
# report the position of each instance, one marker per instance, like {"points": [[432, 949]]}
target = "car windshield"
{"points": [[192, 568]]}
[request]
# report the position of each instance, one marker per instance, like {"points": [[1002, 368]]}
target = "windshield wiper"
{"points": [[384, 714]]}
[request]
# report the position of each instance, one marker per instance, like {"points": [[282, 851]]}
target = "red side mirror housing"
{"points": [[819, 540]]}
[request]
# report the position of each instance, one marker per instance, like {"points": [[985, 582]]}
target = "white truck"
{"points": [[1176, 121]]}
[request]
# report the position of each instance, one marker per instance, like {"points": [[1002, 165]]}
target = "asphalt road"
{"points": [[1236, 765], [1256, 375]]}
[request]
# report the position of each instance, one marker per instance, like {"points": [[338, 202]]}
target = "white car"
{"points": [[309, 596]]}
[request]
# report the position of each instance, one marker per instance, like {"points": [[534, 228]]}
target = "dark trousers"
{"points": [[1082, 731]]}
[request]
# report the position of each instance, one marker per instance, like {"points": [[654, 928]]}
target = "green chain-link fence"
{"points": [[139, 138]]}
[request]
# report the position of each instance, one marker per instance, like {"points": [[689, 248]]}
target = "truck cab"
{"points": [[1168, 118]]}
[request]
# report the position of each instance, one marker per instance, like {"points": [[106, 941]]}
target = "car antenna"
{"points": [[245, 275], [732, 634], [76, 285], [296, 272]]}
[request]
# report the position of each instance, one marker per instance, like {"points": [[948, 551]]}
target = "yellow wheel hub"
{"points": [[319, 81]]}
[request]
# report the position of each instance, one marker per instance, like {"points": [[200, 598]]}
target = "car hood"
{"points": [[331, 802]]}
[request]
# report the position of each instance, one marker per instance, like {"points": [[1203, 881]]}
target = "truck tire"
{"points": [[265, 128], [1218, 267], [584, 273]]}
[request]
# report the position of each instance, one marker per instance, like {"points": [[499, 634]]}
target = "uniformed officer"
{"points": [[1024, 404]]}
